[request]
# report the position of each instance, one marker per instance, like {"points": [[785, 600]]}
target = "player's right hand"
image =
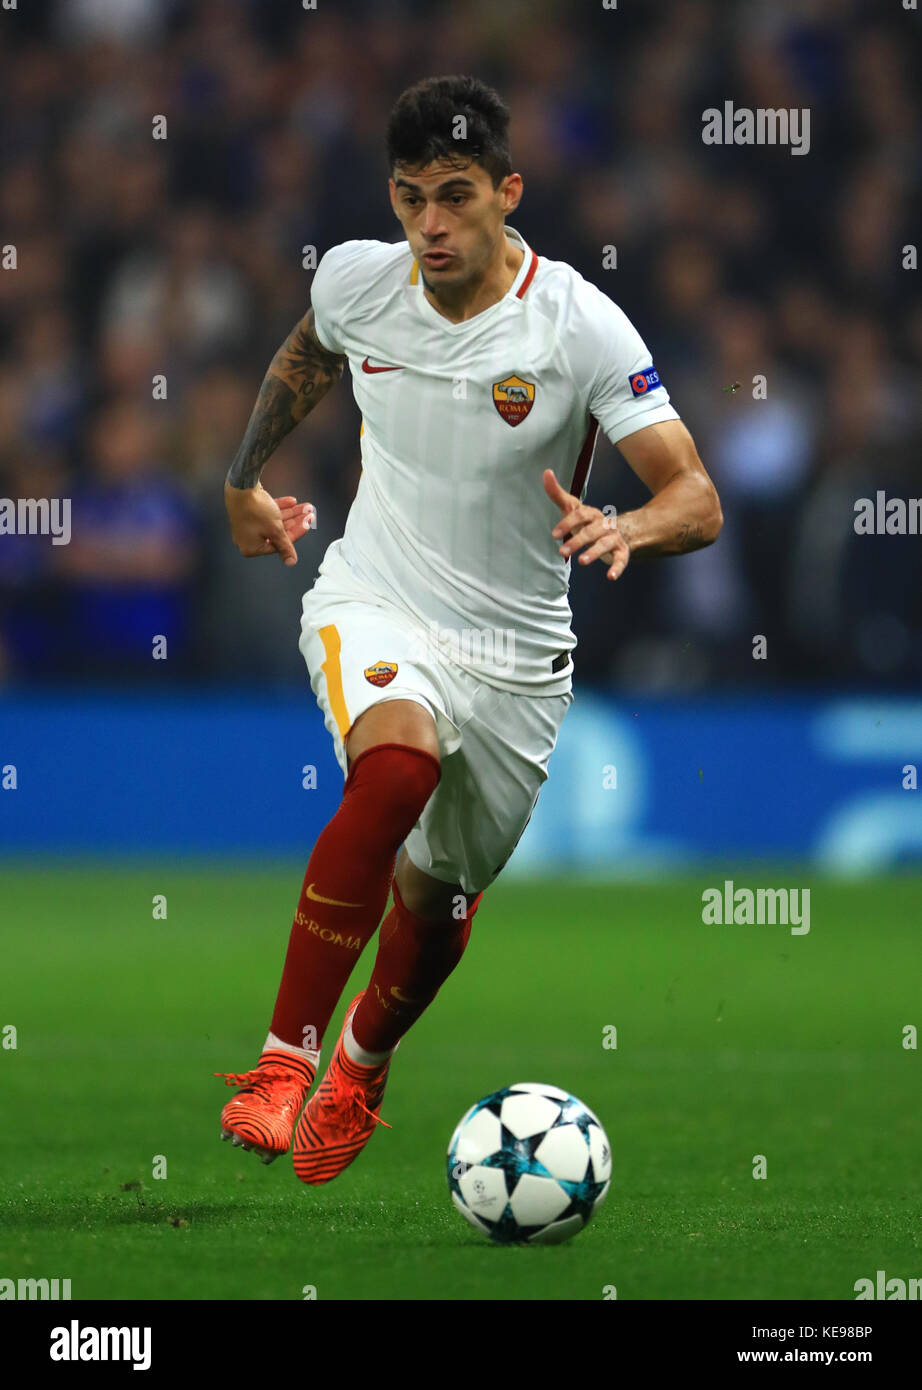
{"points": [[266, 525]]}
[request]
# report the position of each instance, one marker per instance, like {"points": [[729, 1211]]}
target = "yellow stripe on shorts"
{"points": [[331, 668]]}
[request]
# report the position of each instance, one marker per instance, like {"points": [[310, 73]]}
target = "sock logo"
{"points": [[333, 902], [351, 942], [399, 994]]}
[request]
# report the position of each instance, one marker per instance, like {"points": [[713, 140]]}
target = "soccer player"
{"points": [[437, 635]]}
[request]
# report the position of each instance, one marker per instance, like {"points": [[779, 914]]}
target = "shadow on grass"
{"points": [[135, 1209]]}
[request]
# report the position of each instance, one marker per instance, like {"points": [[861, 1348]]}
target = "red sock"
{"points": [[415, 957], [353, 863]]}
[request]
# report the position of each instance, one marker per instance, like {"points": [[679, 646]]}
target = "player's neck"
{"points": [[496, 282]]}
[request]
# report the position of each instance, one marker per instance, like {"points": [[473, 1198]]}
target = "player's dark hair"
{"points": [[424, 126]]}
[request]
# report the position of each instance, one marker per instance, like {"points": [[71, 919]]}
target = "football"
{"points": [[529, 1165]]}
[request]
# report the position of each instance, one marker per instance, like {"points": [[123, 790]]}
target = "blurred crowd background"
{"points": [[183, 257]]}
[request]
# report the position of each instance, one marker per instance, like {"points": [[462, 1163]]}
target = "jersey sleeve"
{"points": [[614, 367], [333, 290], [323, 301]]}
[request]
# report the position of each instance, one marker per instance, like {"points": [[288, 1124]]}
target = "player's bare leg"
{"points": [[393, 770], [393, 721], [418, 948], [426, 896]]}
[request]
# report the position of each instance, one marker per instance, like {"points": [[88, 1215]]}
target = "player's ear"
{"points": [[512, 192]]}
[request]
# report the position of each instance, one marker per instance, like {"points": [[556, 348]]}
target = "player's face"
{"points": [[453, 218]]}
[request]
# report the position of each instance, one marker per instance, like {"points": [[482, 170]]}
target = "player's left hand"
{"points": [[266, 525], [587, 526]]}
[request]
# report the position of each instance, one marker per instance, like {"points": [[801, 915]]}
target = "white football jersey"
{"points": [[450, 520]]}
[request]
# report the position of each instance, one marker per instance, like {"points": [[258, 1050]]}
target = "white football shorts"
{"points": [[495, 745]]}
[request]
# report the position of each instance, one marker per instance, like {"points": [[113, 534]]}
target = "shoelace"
{"points": [[259, 1079], [354, 1097]]}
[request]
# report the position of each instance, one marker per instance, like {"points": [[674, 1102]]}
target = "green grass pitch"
{"points": [[732, 1041]]}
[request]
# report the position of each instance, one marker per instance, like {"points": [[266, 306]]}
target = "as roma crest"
{"points": [[382, 673], [513, 399]]}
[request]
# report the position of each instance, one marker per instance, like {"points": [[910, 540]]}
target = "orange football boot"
{"points": [[262, 1115], [340, 1116]]}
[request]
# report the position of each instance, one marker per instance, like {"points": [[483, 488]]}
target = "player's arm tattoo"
{"points": [[300, 374], [691, 537]]}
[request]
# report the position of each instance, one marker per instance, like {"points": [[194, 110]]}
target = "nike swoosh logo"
{"points": [[334, 902], [366, 367], [399, 994]]}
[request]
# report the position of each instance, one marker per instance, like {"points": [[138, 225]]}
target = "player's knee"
{"points": [[431, 898], [400, 780], [396, 721]]}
